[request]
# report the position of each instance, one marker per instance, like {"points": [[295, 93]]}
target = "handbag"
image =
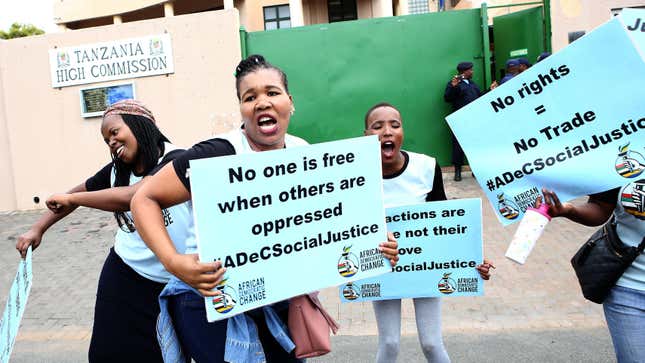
{"points": [[309, 325], [602, 260]]}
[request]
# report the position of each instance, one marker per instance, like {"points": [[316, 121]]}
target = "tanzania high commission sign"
{"points": [[98, 62]]}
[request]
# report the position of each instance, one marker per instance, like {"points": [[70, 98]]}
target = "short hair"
{"points": [[378, 105]]}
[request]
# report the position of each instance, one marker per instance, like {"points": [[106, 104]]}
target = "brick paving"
{"points": [[540, 295]]}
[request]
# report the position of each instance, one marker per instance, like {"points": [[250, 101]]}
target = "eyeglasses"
{"points": [[125, 222]]}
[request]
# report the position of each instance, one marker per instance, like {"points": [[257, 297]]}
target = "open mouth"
{"points": [[267, 124], [387, 149], [119, 151]]}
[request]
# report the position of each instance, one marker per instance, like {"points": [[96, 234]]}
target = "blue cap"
{"points": [[524, 61], [512, 63], [543, 55], [463, 66]]}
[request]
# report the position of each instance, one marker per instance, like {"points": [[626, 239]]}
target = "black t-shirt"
{"points": [[205, 149], [101, 180], [608, 196]]}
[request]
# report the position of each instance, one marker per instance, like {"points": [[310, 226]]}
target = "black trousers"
{"points": [[457, 152], [125, 315]]}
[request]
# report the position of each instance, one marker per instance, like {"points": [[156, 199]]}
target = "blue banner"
{"points": [[15, 307], [440, 244], [574, 123], [289, 221]]}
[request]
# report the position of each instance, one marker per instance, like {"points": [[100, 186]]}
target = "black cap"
{"points": [[543, 55], [524, 61], [464, 66]]}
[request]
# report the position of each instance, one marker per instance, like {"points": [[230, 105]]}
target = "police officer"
{"points": [[512, 69], [460, 91]]}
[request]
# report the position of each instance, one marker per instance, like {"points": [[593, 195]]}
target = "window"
{"points": [[575, 35], [277, 17], [418, 6], [341, 10]]}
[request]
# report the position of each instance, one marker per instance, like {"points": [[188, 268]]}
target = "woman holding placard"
{"points": [[126, 309], [266, 108], [408, 178], [624, 307]]}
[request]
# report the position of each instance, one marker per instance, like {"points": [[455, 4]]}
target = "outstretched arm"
{"points": [[115, 199], [592, 213], [162, 190], [34, 235]]}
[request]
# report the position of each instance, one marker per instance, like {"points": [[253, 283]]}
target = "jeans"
{"points": [[206, 342], [625, 313]]}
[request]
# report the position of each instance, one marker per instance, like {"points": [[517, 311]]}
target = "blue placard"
{"points": [[440, 244], [574, 123], [15, 307], [634, 21], [289, 221]]}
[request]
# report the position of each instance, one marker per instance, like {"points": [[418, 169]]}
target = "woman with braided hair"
{"points": [[255, 336], [132, 277]]}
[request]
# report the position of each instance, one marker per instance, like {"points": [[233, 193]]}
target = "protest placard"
{"points": [[289, 221], [634, 21], [15, 307], [440, 244], [573, 123]]}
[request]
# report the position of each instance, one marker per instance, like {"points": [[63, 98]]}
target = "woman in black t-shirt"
{"points": [[266, 107]]}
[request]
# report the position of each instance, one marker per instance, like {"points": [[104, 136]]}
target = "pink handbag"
{"points": [[309, 325]]}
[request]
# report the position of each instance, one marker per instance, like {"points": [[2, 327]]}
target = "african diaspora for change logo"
{"points": [[347, 263], [508, 209], [226, 301], [447, 285], [629, 164], [351, 292], [632, 197]]}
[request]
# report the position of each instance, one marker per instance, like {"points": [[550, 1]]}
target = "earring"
{"points": [[293, 110]]}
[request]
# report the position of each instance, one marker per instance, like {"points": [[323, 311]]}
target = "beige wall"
{"points": [[8, 200], [66, 11], [52, 148], [575, 15], [315, 12]]}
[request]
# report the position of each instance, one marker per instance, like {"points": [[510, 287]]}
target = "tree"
{"points": [[18, 30]]}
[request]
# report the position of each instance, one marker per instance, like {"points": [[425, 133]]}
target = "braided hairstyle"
{"points": [[252, 64], [150, 147]]}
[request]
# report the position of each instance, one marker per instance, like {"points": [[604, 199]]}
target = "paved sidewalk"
{"points": [[539, 299]]}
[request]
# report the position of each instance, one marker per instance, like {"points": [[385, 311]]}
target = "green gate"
{"points": [[337, 71], [518, 34]]}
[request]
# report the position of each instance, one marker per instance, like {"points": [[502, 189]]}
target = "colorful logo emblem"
{"points": [[507, 208], [351, 292], [348, 263], [224, 302], [156, 46], [447, 285], [62, 59], [629, 164], [632, 197]]}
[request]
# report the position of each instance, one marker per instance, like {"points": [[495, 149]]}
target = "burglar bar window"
{"points": [[341, 10], [277, 17], [418, 6]]}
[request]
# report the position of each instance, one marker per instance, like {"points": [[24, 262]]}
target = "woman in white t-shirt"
{"points": [[408, 178], [132, 277]]}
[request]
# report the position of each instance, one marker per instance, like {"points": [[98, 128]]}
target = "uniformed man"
{"points": [[512, 69], [460, 91]]}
